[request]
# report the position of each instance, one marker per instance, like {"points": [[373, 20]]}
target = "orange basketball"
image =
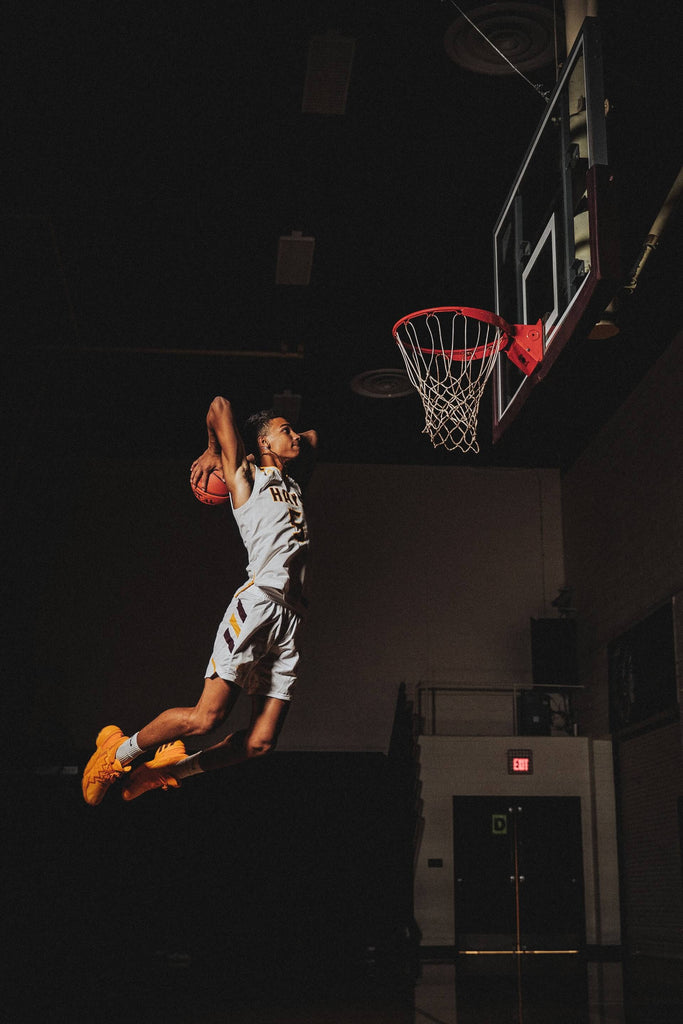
{"points": [[216, 492]]}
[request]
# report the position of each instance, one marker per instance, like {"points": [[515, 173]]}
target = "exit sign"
{"points": [[520, 762]]}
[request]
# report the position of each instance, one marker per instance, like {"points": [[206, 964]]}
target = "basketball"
{"points": [[216, 492]]}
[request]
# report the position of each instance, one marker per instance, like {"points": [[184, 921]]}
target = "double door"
{"points": [[518, 874], [519, 908]]}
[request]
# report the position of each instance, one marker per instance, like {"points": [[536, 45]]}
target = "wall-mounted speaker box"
{"points": [[554, 659]]}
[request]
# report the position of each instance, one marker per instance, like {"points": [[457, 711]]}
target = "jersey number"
{"points": [[298, 525]]}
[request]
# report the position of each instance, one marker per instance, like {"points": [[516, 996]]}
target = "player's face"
{"points": [[281, 440]]}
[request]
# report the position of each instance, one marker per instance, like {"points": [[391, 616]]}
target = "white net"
{"points": [[449, 355]]}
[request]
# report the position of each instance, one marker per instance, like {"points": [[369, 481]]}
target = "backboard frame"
{"points": [[572, 292]]}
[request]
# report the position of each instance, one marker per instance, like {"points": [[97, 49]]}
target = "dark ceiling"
{"points": [[158, 151]]}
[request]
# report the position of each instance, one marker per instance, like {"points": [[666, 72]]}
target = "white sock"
{"points": [[128, 751], [188, 766]]}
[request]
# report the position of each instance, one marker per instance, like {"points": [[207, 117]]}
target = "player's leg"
{"points": [[166, 771], [264, 657], [268, 718], [115, 753], [270, 683], [215, 703], [266, 667], [268, 715]]}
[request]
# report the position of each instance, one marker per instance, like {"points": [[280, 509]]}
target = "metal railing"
{"points": [[446, 709]]}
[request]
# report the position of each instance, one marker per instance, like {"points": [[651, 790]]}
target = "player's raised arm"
{"points": [[225, 449]]}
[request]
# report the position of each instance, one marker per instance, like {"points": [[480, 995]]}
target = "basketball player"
{"points": [[256, 644]]}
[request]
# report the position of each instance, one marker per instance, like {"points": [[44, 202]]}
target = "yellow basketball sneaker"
{"points": [[102, 769], [151, 774]]}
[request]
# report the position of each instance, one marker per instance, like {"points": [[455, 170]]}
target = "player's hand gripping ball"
{"points": [[216, 492]]}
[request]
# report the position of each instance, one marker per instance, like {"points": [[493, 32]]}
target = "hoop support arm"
{"points": [[525, 346]]}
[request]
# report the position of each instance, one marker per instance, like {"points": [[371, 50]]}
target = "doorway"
{"points": [[519, 906]]}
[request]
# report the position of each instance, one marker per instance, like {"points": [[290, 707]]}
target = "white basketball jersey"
{"points": [[273, 528]]}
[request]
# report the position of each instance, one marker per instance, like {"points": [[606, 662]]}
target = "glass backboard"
{"points": [[554, 244]]}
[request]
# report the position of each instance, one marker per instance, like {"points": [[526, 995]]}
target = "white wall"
{"points": [[419, 574], [477, 766]]}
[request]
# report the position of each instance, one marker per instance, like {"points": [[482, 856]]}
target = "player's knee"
{"points": [[259, 744], [204, 720]]}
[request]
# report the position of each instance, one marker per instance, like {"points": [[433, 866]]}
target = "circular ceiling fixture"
{"points": [[524, 33], [382, 384]]}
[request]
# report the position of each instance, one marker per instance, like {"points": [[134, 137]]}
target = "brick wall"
{"points": [[622, 508], [622, 518]]}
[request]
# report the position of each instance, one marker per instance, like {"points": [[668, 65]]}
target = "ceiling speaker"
{"points": [[294, 259], [328, 74]]}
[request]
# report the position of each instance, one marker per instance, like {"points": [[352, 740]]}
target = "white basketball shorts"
{"points": [[256, 645]]}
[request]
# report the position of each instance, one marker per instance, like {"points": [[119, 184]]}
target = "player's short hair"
{"points": [[256, 426]]}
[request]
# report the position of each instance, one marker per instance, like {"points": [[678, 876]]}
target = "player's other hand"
{"points": [[310, 437]]}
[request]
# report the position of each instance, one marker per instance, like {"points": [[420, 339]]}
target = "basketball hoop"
{"points": [[449, 353]]}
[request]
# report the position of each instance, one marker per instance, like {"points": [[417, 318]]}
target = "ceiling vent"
{"points": [[382, 384], [524, 33]]}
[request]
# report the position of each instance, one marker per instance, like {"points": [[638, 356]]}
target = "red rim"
{"points": [[469, 313]]}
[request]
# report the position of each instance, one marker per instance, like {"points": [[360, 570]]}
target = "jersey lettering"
{"points": [[279, 494]]}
